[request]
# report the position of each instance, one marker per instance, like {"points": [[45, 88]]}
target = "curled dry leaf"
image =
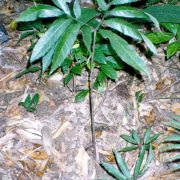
{"points": [[176, 108]]}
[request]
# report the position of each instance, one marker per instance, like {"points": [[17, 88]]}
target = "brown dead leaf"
{"points": [[38, 155], [110, 158], [18, 84], [161, 84], [150, 117], [176, 108], [13, 111], [40, 173], [98, 133]]}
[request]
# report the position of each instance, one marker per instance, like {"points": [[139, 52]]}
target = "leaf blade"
{"points": [[49, 38], [39, 11], [64, 45], [77, 9], [124, 27], [125, 52], [62, 4]]}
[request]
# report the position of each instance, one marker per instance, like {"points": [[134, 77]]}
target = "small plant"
{"points": [[77, 38], [30, 103], [143, 161], [172, 144], [137, 142], [123, 172]]}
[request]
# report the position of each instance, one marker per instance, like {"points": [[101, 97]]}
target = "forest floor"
{"points": [[54, 142]]}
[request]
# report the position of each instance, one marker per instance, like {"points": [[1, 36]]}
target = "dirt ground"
{"points": [[54, 142]]}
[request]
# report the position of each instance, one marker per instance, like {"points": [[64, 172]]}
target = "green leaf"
{"points": [[173, 158], [25, 35], [81, 95], [139, 96], [115, 62], [30, 69], [113, 171], [62, 5], [154, 20], [35, 100], [109, 71], [124, 27], [173, 48], [128, 12], [170, 148], [77, 9], [64, 45], [39, 11], [149, 159], [99, 56], [125, 51], [122, 165], [102, 5], [173, 28], [48, 40], [138, 165], [26, 102], [172, 138], [136, 136], [101, 77], [87, 37], [165, 13], [87, 14], [147, 135], [159, 37], [118, 2], [68, 78], [150, 2], [175, 169], [127, 149], [66, 64], [153, 138], [174, 124], [129, 139], [77, 69], [149, 44], [46, 60]]}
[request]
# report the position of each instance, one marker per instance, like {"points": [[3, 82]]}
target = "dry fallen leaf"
{"points": [[176, 108], [38, 155], [147, 112], [13, 111], [98, 133], [150, 117], [110, 158], [82, 160]]}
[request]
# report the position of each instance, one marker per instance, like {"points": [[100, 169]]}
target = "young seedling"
{"points": [[30, 104]]}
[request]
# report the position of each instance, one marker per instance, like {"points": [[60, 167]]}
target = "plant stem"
{"points": [[91, 103]]}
